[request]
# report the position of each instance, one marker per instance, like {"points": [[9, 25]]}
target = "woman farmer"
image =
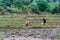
{"points": [[27, 23], [44, 21]]}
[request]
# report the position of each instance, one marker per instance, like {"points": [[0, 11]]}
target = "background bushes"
{"points": [[17, 6]]}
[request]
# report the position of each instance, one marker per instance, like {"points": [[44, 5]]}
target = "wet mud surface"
{"points": [[31, 34]]}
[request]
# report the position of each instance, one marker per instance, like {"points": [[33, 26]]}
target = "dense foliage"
{"points": [[18, 6], [42, 6]]}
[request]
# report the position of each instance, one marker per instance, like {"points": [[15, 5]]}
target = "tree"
{"points": [[31, 1], [48, 1], [26, 2], [34, 8], [42, 6], [54, 0], [59, 3], [7, 2], [2, 10], [56, 10]]}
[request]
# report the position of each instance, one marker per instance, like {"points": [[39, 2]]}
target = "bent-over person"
{"points": [[44, 22]]}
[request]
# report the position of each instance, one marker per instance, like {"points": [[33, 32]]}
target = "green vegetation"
{"points": [[35, 22], [42, 6], [56, 10], [28, 6]]}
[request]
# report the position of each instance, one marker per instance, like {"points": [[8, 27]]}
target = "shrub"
{"points": [[15, 10], [34, 8], [56, 10], [49, 9], [2, 10], [42, 6]]}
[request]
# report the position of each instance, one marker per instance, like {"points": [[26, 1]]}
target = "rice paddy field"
{"points": [[8, 22], [13, 27]]}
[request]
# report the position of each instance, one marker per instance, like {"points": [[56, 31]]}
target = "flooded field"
{"points": [[30, 34]]}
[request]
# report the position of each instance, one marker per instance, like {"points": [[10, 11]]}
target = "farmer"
{"points": [[27, 23], [44, 21]]}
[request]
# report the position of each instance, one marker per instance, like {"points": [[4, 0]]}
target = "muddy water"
{"points": [[30, 34]]}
